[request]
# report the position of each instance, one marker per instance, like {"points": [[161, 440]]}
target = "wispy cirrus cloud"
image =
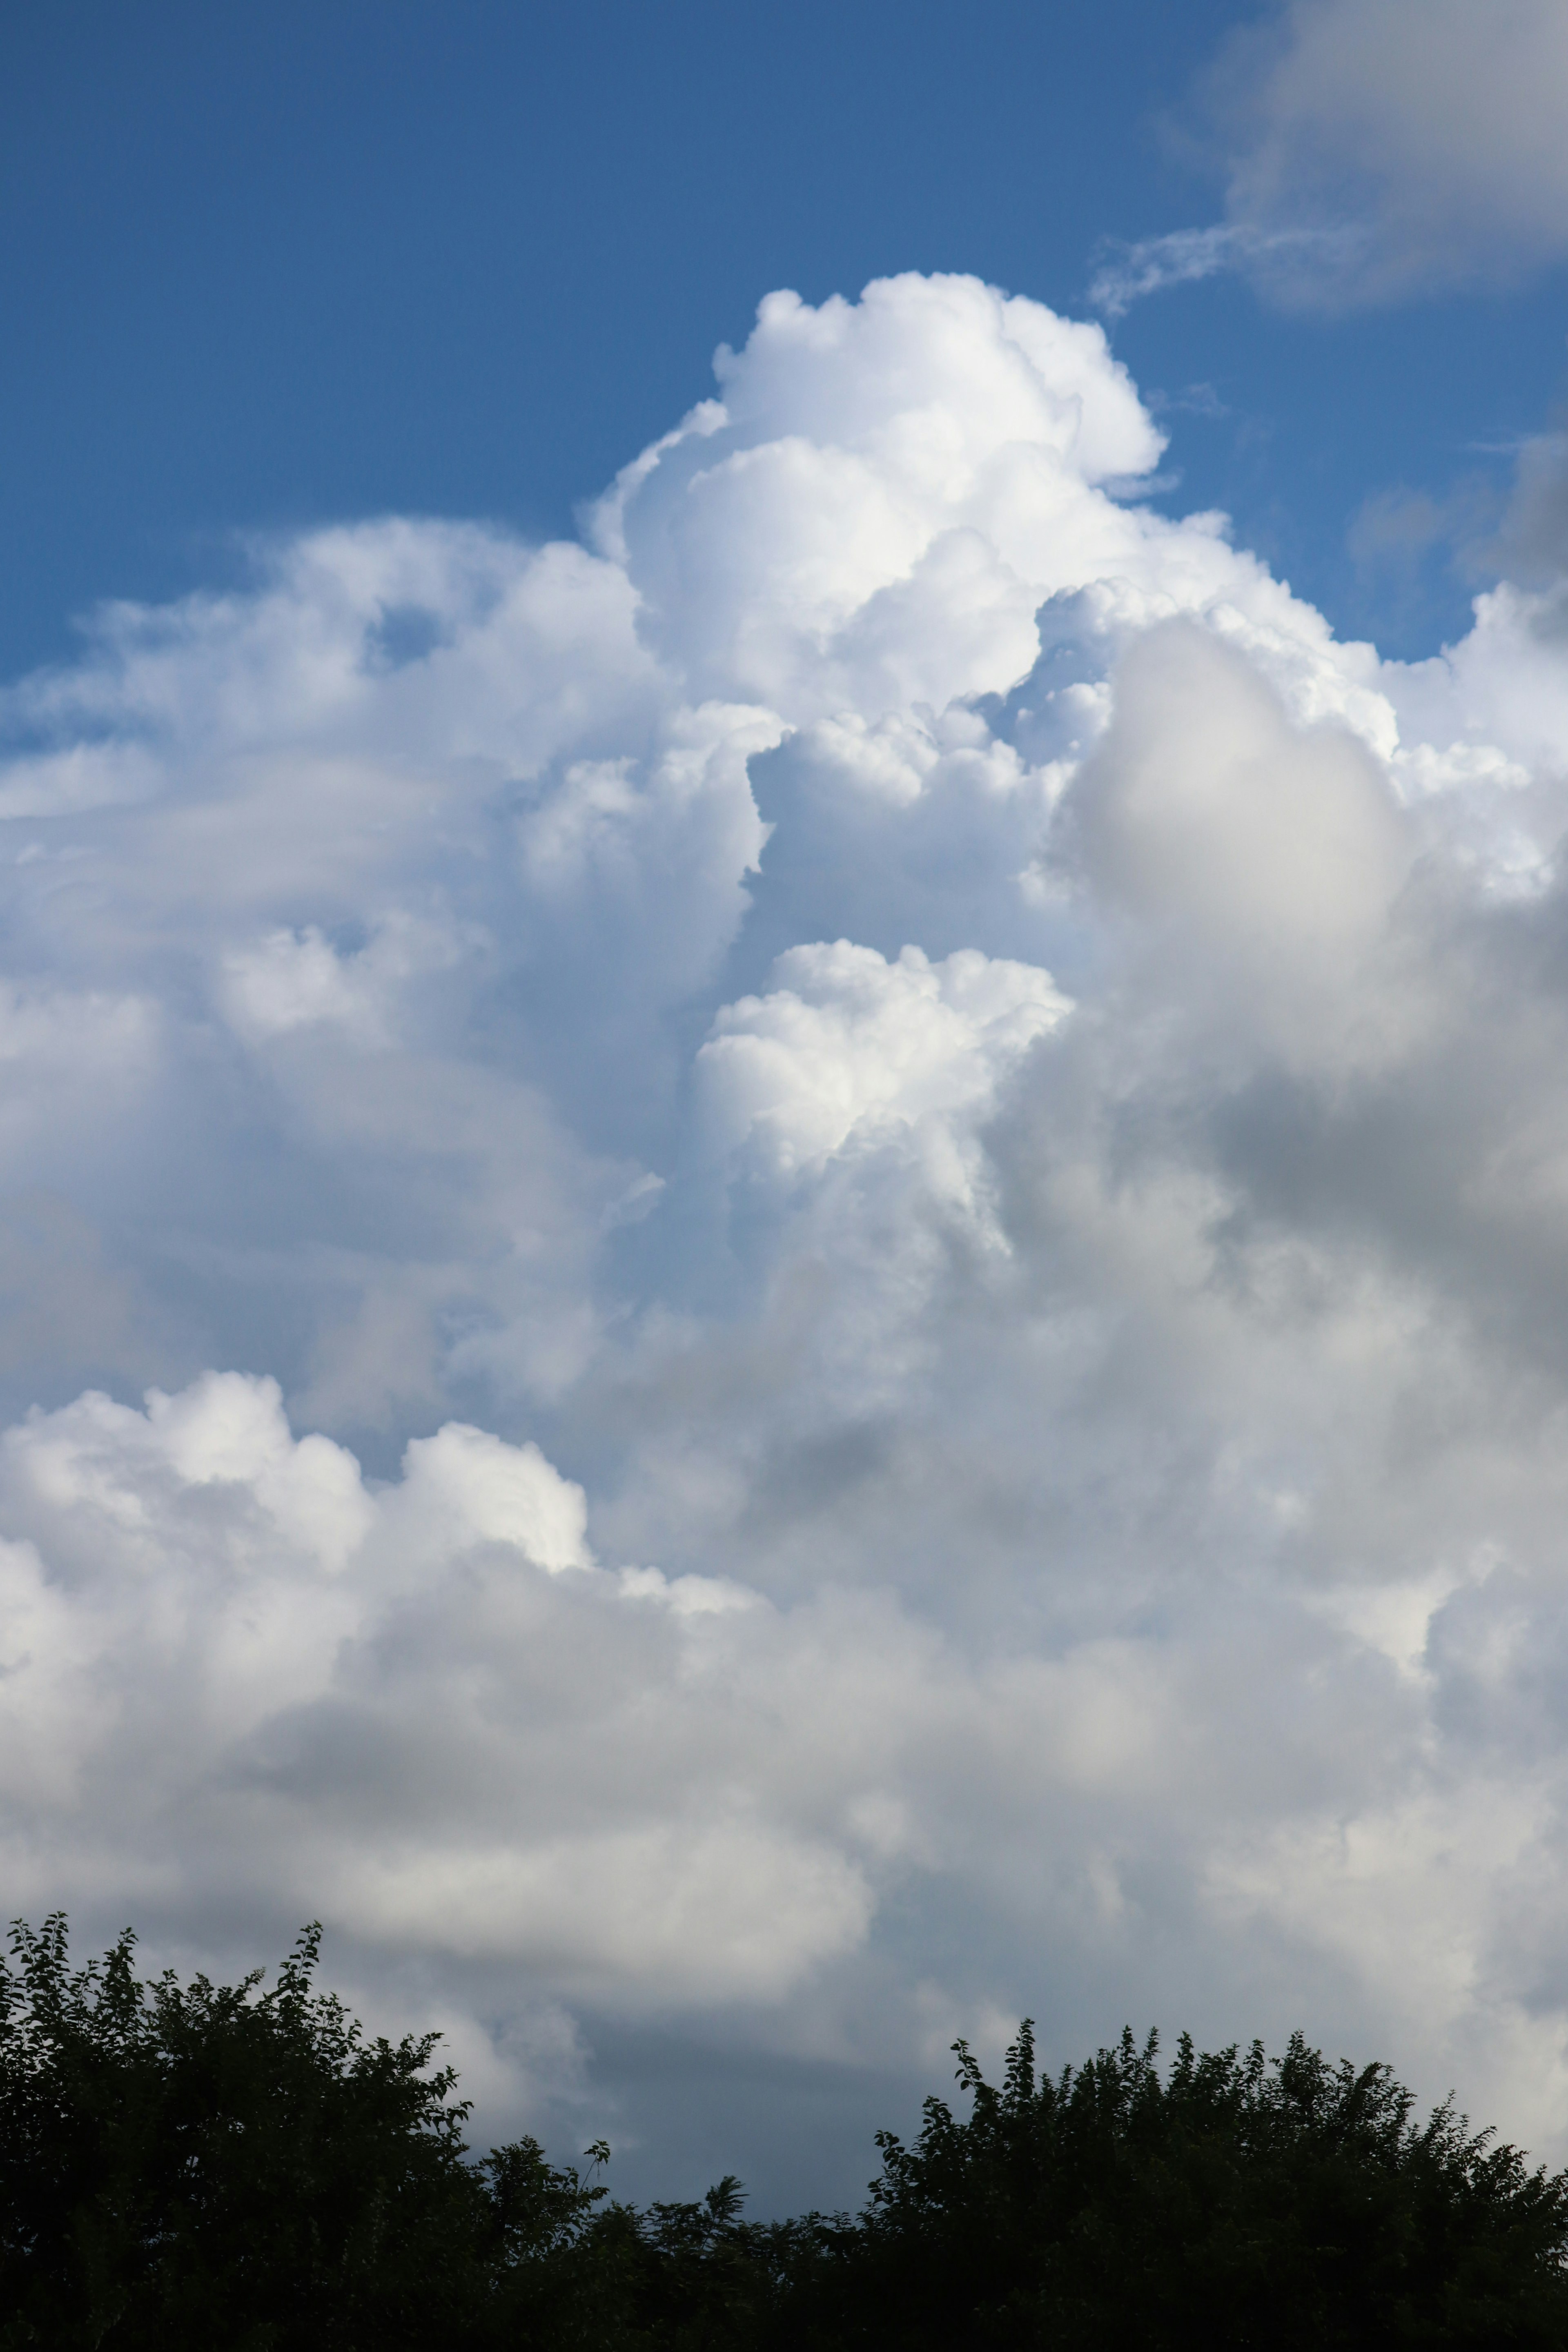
{"points": [[1129, 273]]}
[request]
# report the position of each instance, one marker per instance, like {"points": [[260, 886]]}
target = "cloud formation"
{"points": [[874, 1169], [1375, 150]]}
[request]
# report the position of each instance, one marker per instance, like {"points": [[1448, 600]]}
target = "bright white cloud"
{"points": [[884, 1157], [848, 1049]]}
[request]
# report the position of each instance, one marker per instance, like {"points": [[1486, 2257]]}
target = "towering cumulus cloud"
{"points": [[803, 1273]]}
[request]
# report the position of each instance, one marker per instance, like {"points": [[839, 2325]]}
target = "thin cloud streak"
{"points": [[1129, 273]]}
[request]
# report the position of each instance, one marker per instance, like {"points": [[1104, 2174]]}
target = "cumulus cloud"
{"points": [[849, 1048], [874, 1169], [292, 1633], [1373, 150]]}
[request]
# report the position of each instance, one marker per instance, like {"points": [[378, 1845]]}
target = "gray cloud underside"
{"points": [[1373, 151], [878, 1170]]}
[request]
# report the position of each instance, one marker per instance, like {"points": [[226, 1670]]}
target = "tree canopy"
{"points": [[197, 2165]]}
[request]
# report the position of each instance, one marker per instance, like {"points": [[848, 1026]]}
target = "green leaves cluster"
{"points": [[227, 2166]]}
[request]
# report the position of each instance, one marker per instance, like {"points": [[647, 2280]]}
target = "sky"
{"points": [[784, 1151]]}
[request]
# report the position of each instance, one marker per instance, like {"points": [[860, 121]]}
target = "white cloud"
{"points": [[849, 1048], [1128, 272], [886, 1160], [233, 1613]]}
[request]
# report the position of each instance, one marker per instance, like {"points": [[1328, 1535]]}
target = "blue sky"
{"points": [[267, 266], [783, 1161]]}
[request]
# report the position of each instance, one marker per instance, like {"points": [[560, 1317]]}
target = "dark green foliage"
{"points": [[213, 2167], [1234, 2202], [199, 2165]]}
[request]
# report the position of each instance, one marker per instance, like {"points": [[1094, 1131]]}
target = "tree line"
{"points": [[242, 2169]]}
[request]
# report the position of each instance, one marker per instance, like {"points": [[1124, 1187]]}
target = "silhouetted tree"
{"points": [[241, 2170], [206, 2165], [1236, 2202]]}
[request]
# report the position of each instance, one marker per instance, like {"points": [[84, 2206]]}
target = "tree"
{"points": [[1236, 2202], [215, 2166], [210, 2166]]}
